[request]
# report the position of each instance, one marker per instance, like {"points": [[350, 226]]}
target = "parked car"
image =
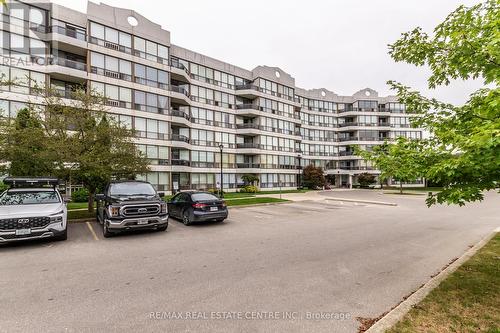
{"points": [[32, 208], [130, 205], [192, 206]]}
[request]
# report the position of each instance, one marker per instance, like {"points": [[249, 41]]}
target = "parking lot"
{"points": [[300, 260]]}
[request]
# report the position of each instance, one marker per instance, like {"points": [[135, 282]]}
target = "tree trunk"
{"points": [[91, 202], [400, 187]]}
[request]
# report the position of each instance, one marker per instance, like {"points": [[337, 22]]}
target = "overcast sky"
{"points": [[340, 45]]}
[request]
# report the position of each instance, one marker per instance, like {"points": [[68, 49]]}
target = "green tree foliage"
{"points": [[313, 177], [250, 179], [465, 140], [366, 179], [401, 161], [24, 144], [70, 139], [96, 148]]}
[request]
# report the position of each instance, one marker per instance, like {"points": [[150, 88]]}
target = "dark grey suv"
{"points": [[130, 205]]}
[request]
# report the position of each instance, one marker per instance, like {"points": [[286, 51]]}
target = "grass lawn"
{"points": [[467, 301], [76, 205], [253, 201], [80, 214], [417, 189], [284, 191]]}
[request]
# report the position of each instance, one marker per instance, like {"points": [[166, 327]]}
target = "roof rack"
{"points": [[30, 181]]}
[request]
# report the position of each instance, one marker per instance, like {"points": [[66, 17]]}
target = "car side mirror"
{"points": [[161, 194], [99, 197], [67, 200]]}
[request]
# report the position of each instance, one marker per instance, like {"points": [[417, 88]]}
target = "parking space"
{"points": [[304, 256]]}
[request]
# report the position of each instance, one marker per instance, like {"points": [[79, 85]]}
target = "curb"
{"points": [[397, 313], [261, 204], [82, 220], [364, 201]]}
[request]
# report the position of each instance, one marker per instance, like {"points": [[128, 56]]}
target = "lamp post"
{"points": [[221, 147], [299, 157]]}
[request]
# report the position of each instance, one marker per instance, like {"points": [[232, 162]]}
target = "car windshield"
{"points": [[131, 188], [29, 198], [203, 197]]}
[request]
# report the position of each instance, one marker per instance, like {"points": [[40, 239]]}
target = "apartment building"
{"points": [[191, 113]]}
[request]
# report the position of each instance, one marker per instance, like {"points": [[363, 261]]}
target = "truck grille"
{"points": [[24, 223], [141, 210]]}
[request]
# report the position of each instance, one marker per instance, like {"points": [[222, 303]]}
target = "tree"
{"points": [[24, 147], [249, 179], [313, 177], [465, 140], [92, 145], [400, 161], [366, 179]]}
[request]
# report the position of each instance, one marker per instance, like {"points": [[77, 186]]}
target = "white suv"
{"points": [[32, 208]]}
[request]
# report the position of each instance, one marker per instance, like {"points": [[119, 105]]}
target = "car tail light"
{"points": [[199, 205]]}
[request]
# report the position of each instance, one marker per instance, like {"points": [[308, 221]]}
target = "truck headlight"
{"points": [[114, 211], [163, 207]]}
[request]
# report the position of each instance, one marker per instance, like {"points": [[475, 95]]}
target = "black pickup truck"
{"points": [[130, 205]]}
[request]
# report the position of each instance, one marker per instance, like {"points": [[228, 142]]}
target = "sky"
{"points": [[340, 45]]}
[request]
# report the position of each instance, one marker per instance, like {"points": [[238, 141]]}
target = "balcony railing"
{"points": [[180, 162], [178, 65], [179, 89], [247, 106], [250, 145], [246, 87], [70, 64], [180, 113], [179, 137], [111, 74], [73, 33], [110, 45], [351, 138]]}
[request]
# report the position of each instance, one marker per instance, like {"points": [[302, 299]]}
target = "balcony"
{"points": [[110, 45], [247, 107], [247, 165], [176, 64], [350, 138], [179, 137], [111, 74], [249, 145], [179, 113], [180, 162], [180, 90], [69, 63], [247, 87], [248, 125], [351, 123], [73, 33], [118, 104], [346, 153]]}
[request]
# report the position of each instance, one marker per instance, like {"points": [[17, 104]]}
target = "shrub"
{"points": [[249, 189], [215, 191], [249, 179], [81, 195], [313, 177], [366, 179]]}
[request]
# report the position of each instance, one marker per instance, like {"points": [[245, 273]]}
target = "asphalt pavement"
{"points": [[306, 266]]}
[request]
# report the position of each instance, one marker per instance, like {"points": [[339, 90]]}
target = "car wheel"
{"points": [[105, 231], [186, 219], [163, 228], [63, 236]]}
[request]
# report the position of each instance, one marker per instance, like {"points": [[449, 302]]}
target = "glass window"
{"points": [[140, 71], [152, 74], [97, 60], [125, 67], [139, 97], [163, 51], [151, 48], [112, 92], [96, 30], [126, 95], [111, 64], [111, 35], [125, 39], [139, 44]]}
